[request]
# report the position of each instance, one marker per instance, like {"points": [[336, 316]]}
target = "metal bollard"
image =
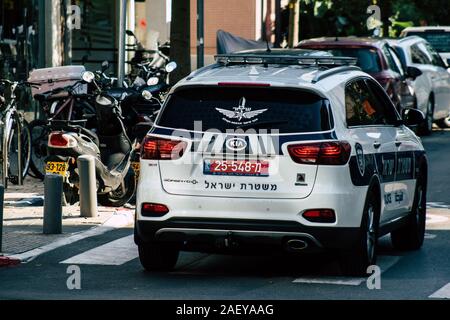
{"points": [[88, 186], [53, 189], [2, 194]]}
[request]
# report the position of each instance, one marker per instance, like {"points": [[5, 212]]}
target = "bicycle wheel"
{"points": [[13, 149], [5, 142], [39, 131], [3, 160]]}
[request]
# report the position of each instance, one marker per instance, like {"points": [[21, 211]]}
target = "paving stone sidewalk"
{"points": [[23, 219]]}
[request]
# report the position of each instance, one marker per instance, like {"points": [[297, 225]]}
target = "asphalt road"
{"points": [[117, 274], [437, 146]]}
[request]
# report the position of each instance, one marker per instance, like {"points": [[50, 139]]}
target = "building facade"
{"points": [[36, 33]]}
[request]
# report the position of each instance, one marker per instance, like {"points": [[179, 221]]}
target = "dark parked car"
{"points": [[375, 57]]}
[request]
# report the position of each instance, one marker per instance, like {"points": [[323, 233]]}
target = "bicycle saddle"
{"points": [[120, 94]]}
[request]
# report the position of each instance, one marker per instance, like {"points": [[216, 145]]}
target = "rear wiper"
{"points": [[262, 124]]}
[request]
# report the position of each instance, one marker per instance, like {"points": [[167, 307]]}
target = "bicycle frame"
{"points": [[69, 102], [8, 119]]}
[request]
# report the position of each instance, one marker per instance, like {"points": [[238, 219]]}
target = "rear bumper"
{"points": [[216, 234]]}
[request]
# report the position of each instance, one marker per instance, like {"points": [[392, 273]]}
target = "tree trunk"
{"points": [[386, 8], [180, 39]]}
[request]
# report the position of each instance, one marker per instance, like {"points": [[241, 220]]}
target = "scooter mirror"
{"points": [[88, 76], [153, 81], [171, 66], [105, 65]]}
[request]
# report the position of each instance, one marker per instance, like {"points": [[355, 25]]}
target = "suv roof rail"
{"points": [[410, 38], [330, 72], [195, 73], [226, 59]]}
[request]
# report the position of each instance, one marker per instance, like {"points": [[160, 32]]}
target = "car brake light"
{"points": [[320, 215], [61, 140], [154, 148], [323, 153], [154, 209]]}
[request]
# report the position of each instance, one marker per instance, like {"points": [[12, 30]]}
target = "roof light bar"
{"points": [[226, 59]]}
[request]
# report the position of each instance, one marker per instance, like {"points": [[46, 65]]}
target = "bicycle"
{"points": [[15, 137]]}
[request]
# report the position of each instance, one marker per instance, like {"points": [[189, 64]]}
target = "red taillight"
{"points": [[323, 153], [320, 215], [154, 209], [154, 148], [58, 140]]}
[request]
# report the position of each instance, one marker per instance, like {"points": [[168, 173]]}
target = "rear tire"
{"points": [[356, 261], [158, 256], [70, 195], [118, 198], [411, 236], [443, 123], [12, 159], [426, 128], [39, 131]]}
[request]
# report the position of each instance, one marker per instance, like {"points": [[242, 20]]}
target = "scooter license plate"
{"points": [[57, 168]]}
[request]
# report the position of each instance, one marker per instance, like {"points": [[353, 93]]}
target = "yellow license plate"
{"points": [[136, 167], [57, 168]]}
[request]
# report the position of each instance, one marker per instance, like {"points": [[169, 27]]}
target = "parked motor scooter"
{"points": [[109, 144]]}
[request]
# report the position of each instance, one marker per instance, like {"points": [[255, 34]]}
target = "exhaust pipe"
{"points": [[296, 245]]}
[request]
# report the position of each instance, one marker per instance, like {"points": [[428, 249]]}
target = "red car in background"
{"points": [[375, 57]]}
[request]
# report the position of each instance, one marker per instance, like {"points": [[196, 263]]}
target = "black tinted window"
{"points": [[390, 61], [419, 55], [383, 103], [436, 58], [368, 59], [230, 108], [438, 39], [365, 105]]}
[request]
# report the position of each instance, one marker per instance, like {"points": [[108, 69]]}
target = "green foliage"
{"points": [[326, 17]]}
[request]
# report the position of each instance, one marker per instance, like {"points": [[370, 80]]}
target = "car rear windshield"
{"points": [[368, 59], [230, 108], [440, 40]]}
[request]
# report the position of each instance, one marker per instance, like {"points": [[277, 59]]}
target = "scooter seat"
{"points": [[120, 94]]}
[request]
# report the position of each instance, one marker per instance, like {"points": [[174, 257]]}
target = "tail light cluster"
{"points": [[154, 210], [61, 140], [322, 153], [320, 215], [154, 148]]}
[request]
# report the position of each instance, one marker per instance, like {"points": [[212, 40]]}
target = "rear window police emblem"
{"points": [[240, 112]]}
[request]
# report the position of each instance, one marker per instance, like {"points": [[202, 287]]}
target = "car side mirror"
{"points": [[412, 117], [413, 72]]}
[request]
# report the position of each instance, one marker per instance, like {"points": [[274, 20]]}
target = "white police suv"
{"points": [[284, 150]]}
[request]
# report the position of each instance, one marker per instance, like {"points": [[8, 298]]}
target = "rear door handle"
{"points": [[376, 145], [398, 143]]}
